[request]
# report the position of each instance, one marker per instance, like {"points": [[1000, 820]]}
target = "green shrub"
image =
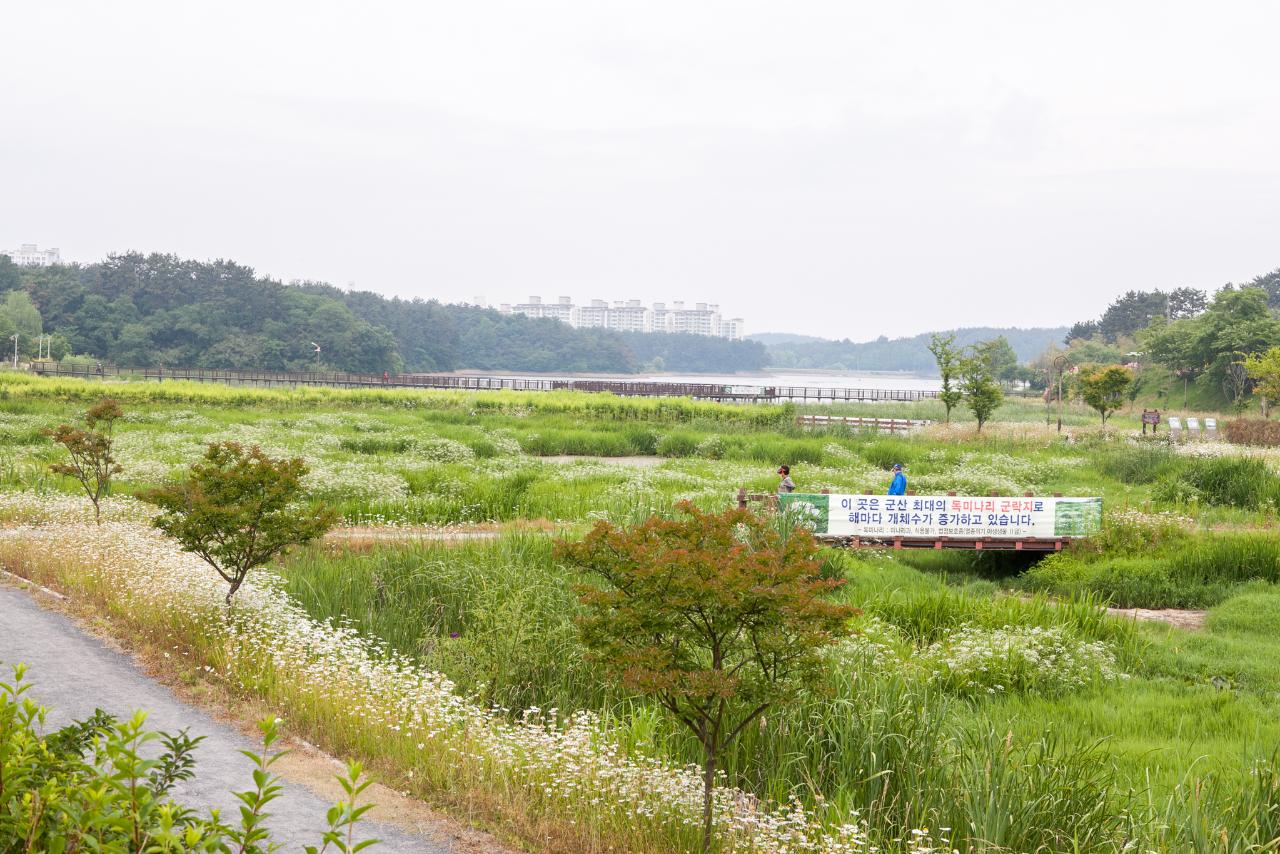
{"points": [[495, 616], [1134, 582], [376, 445], [677, 445], [1228, 559], [1136, 464], [1128, 531], [1189, 573], [1233, 481], [711, 448], [104, 785], [884, 452], [642, 440]]}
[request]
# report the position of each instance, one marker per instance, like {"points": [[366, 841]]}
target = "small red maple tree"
{"points": [[717, 616], [90, 460]]}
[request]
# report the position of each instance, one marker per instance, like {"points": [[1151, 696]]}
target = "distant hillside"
{"points": [[897, 354], [770, 339], [146, 310]]}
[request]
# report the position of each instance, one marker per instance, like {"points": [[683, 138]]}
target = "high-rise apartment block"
{"points": [[633, 316], [27, 255]]}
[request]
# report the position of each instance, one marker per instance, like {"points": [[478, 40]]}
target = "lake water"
{"points": [[887, 380], [844, 380]]}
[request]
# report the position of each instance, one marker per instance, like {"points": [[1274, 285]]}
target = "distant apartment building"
{"points": [[630, 316], [633, 316], [27, 255], [732, 328], [562, 310], [594, 315]]}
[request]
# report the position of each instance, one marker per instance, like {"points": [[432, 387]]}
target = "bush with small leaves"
{"points": [[237, 509], [90, 786]]}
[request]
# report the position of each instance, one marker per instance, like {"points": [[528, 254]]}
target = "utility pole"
{"points": [[1060, 365]]}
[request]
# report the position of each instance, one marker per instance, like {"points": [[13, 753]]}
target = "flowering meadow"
{"points": [[982, 702], [358, 696]]}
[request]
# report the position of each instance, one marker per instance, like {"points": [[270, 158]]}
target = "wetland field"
{"points": [[982, 702]]}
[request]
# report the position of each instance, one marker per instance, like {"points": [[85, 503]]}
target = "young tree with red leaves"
{"points": [[717, 616], [89, 451]]}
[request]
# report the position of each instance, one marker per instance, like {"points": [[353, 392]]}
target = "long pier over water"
{"points": [[624, 388]]}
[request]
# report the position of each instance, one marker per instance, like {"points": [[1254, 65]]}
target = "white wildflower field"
{"points": [[330, 681]]}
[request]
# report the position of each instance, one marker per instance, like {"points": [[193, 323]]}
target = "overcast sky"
{"points": [[833, 168]]}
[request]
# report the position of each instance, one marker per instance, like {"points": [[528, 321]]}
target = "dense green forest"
{"points": [[147, 310], [1196, 338], [897, 354]]}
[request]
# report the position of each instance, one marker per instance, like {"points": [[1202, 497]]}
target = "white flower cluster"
{"points": [[349, 479], [504, 443], [1045, 661], [982, 473], [60, 508], [973, 661], [374, 698], [968, 479], [176, 417], [440, 450]]}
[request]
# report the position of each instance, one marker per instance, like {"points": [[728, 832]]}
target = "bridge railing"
{"points": [[625, 388]]}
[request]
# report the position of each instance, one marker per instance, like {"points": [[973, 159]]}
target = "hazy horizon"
{"points": [[829, 169]]}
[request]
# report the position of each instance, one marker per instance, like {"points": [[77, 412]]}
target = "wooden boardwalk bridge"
{"points": [[622, 388]]}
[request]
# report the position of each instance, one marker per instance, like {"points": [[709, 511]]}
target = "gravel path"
{"points": [[1179, 617], [75, 673]]}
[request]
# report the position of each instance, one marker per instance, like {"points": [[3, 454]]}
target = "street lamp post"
{"points": [[14, 336], [1060, 365]]}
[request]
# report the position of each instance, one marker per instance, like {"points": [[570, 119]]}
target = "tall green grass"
{"points": [[496, 616], [1197, 572]]}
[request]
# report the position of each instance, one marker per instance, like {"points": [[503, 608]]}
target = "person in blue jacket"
{"points": [[899, 485]]}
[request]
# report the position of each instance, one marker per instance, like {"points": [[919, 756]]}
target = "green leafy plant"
{"points": [[716, 616], [947, 356], [1103, 389], [89, 450], [982, 393], [99, 785], [1264, 370], [236, 510]]}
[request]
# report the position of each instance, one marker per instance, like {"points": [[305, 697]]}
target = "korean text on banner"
{"points": [[934, 516]]}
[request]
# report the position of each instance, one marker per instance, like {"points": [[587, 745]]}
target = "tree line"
{"points": [[1222, 342], [896, 354], [157, 310]]}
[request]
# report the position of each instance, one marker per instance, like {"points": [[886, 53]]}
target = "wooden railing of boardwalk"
{"points": [[623, 388], [889, 425]]}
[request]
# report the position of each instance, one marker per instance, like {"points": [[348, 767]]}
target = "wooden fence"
{"points": [[623, 388]]}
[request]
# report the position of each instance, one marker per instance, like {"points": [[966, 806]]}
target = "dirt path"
{"points": [[1182, 619], [74, 673]]}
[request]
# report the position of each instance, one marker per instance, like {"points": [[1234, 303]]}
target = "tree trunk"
{"points": [[235, 585], [708, 784]]}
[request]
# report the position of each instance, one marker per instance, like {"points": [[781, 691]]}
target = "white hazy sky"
{"points": [[833, 168]]}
